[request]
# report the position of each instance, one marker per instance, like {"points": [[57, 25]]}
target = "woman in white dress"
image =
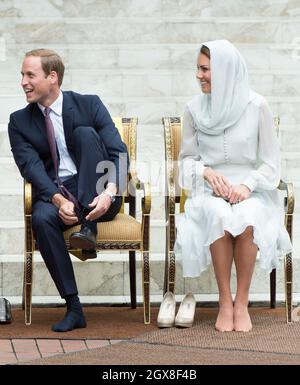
{"points": [[229, 162]]}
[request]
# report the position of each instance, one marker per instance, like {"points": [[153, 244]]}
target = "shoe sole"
{"points": [[164, 325], [183, 325], [81, 243]]}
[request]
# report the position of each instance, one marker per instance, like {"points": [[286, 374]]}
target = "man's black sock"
{"points": [[74, 317]]}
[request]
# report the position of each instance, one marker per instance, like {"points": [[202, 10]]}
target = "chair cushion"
{"points": [[122, 228]]}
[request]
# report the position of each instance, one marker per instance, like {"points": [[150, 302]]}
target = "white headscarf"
{"points": [[230, 91]]}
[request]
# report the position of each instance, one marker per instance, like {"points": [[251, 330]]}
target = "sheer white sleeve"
{"points": [[267, 174], [190, 165]]}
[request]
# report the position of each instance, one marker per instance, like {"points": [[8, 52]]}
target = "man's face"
{"points": [[35, 83]]}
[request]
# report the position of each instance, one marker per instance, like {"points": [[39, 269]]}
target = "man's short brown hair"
{"points": [[51, 61]]}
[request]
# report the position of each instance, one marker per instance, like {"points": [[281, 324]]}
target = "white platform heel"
{"points": [[166, 314], [186, 312]]}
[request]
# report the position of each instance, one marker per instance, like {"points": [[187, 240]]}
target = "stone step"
{"points": [[150, 110], [160, 83], [154, 9], [148, 30], [109, 277], [151, 56], [11, 205]]}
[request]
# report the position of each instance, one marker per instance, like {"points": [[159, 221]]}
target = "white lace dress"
{"points": [[246, 153]]}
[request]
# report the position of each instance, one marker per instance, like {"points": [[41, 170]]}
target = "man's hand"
{"points": [[65, 209], [221, 187], [101, 204], [239, 193]]}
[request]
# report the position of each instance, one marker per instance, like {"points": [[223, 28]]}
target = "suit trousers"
{"points": [[48, 226]]}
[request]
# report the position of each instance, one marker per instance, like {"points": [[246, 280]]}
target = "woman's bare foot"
{"points": [[224, 321], [241, 318]]}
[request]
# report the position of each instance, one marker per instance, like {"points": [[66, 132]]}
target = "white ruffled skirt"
{"points": [[207, 217]]}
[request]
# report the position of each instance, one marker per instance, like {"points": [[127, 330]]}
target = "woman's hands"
{"points": [[219, 184], [222, 188], [239, 193]]}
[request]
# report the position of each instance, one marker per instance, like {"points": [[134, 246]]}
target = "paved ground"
{"points": [[18, 350]]}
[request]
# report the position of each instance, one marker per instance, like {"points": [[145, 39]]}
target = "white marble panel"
{"points": [[4, 144], [12, 278], [115, 108], [292, 172], [202, 284], [11, 239], [103, 278], [156, 271], [157, 238], [238, 32], [30, 8], [9, 175], [290, 140], [111, 8], [101, 32], [93, 57], [286, 85], [97, 83], [42, 282], [9, 104], [231, 8], [262, 83], [291, 31], [150, 111], [288, 111], [145, 57], [147, 85], [185, 83], [11, 207]]}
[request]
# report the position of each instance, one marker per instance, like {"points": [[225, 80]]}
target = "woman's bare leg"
{"points": [[222, 257], [244, 258]]}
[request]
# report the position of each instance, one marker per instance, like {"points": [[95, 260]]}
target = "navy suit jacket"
{"points": [[29, 144]]}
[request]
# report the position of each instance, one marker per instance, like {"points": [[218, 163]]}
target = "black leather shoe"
{"points": [[84, 239], [88, 254]]}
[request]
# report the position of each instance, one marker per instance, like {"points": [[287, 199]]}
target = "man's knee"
{"points": [[84, 133], [43, 216]]}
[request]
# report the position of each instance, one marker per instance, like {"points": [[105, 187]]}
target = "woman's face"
{"points": [[203, 73]]}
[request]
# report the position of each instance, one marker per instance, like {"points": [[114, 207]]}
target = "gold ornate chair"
{"points": [[175, 197], [123, 233]]}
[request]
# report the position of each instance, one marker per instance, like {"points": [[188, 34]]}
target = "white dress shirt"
{"points": [[66, 168]]}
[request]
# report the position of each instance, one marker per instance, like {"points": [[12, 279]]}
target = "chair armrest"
{"points": [[170, 190], [146, 200], [290, 198], [136, 184], [27, 198]]}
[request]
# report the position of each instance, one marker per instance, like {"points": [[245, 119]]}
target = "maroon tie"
{"points": [[52, 144]]}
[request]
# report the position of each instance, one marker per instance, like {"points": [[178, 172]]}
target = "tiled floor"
{"points": [[18, 350]]}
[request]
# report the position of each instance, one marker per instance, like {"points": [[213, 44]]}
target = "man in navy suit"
{"points": [[85, 138]]}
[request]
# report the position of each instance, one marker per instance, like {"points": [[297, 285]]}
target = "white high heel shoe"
{"points": [[186, 312], [166, 314]]}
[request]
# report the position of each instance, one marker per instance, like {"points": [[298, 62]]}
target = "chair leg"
{"points": [[146, 286], [288, 267], [172, 271], [27, 287], [167, 262], [132, 275], [273, 289]]}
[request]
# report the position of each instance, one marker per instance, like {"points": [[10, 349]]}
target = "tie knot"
{"points": [[47, 111]]}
